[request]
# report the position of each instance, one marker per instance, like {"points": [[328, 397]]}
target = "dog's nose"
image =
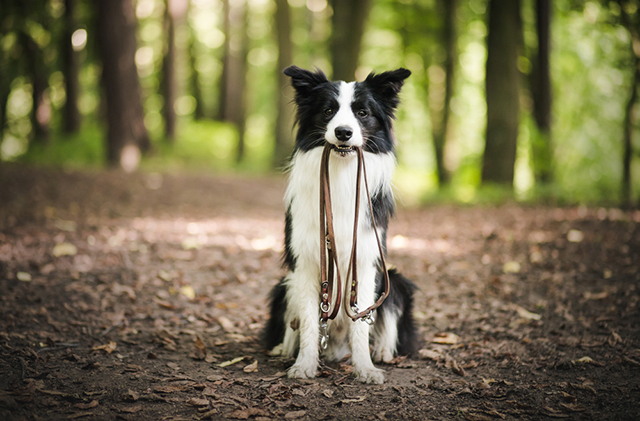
{"points": [[343, 133]]}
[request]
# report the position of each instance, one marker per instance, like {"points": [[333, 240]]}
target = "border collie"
{"points": [[344, 115]]}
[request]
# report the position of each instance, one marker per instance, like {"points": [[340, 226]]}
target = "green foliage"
{"points": [[591, 76]]}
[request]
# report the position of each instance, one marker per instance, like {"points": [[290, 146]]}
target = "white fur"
{"points": [[303, 284], [344, 117]]}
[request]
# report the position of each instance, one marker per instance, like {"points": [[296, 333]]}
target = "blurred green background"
{"points": [[213, 99]]}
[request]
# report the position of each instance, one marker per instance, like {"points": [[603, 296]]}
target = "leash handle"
{"points": [[328, 252]]}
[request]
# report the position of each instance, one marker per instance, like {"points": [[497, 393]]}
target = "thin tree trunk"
{"points": [[440, 118], [541, 92], [232, 104], [348, 24], [70, 69], [174, 13], [194, 77], [41, 108], [284, 118], [502, 91], [628, 135], [126, 133], [168, 73]]}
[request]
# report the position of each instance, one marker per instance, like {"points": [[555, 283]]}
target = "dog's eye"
{"points": [[363, 113], [328, 112]]}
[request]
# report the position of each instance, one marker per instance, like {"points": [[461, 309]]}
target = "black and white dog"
{"points": [[344, 115]]}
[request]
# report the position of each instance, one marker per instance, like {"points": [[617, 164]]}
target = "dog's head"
{"points": [[346, 114]]}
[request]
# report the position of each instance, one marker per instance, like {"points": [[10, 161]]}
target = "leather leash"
{"points": [[328, 252]]}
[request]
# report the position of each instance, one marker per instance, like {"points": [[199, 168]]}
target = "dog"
{"points": [[345, 115]]}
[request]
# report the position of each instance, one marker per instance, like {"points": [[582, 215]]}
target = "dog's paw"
{"points": [[299, 371], [382, 355], [370, 375], [277, 351]]}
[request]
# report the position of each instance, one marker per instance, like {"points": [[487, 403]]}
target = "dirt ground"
{"points": [[142, 298]]}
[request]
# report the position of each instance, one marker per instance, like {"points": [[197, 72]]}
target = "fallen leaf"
{"points": [[130, 395], [511, 267], [452, 364], [243, 414], [573, 407], [251, 368], [64, 249], [596, 296], [526, 314], [188, 292], [108, 348], [198, 402], [226, 324], [231, 362], [89, 405], [354, 400], [445, 338], [328, 393], [294, 415], [80, 415], [584, 360], [132, 409], [429, 354], [200, 353], [207, 415], [575, 236], [24, 276]]}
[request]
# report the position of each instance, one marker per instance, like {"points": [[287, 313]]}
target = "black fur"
{"points": [[274, 331], [400, 297]]}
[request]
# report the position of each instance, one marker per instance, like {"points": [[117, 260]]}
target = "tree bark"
{"points": [[194, 77], [541, 92], [126, 133], [174, 13], [41, 108], [348, 24], [440, 117], [70, 68], [285, 110], [232, 103], [502, 92]]}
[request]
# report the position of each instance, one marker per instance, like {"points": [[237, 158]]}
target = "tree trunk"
{"points": [[348, 23], [285, 110], [440, 116], [502, 92], [41, 108], [126, 133], [631, 22], [70, 69], [194, 77], [541, 92], [232, 104], [628, 136], [174, 13]]}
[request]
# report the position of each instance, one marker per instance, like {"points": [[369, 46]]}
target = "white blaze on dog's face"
{"points": [[344, 128]]}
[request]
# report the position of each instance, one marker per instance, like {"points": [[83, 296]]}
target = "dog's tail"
{"points": [[273, 333], [401, 300]]}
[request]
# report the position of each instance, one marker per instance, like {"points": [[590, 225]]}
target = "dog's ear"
{"points": [[388, 84], [304, 81]]}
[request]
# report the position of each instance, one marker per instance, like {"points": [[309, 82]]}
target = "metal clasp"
{"points": [[324, 334]]}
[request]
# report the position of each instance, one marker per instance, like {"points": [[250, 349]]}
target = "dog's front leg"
{"points": [[303, 292], [363, 367]]}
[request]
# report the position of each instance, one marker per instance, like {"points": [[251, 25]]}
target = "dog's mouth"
{"points": [[343, 150]]}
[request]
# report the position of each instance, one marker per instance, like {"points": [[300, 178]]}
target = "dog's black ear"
{"points": [[388, 84], [303, 80]]}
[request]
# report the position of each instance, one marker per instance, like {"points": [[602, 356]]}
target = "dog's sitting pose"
{"points": [[345, 115]]}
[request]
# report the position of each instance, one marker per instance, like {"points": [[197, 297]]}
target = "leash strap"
{"points": [[328, 252]]}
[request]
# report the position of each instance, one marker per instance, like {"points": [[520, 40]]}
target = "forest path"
{"points": [[142, 297]]}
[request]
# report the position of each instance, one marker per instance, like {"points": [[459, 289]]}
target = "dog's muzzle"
{"points": [[342, 150]]}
